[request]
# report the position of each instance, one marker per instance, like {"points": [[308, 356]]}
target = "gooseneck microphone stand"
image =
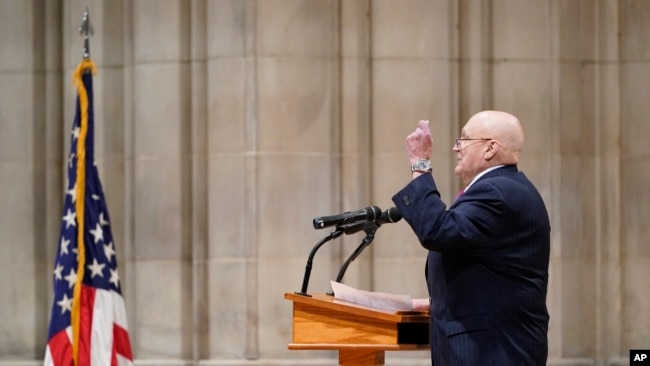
{"points": [[370, 229], [305, 281]]}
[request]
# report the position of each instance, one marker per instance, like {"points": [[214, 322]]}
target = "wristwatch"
{"points": [[422, 166]]}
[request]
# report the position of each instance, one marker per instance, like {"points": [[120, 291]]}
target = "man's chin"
{"points": [[459, 173]]}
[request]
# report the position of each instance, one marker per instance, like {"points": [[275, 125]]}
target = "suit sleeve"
{"points": [[473, 222]]}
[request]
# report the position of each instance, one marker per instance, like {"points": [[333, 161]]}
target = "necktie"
{"points": [[460, 193]]}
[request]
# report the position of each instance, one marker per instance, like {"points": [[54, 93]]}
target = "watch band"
{"points": [[422, 166]]}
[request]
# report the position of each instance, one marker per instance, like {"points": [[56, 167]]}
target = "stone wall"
{"points": [[224, 126]]}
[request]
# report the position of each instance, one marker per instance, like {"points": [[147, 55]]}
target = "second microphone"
{"points": [[368, 214]]}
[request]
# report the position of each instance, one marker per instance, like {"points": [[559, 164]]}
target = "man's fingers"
{"points": [[424, 126]]}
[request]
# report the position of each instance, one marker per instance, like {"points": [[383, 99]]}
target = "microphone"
{"points": [[369, 219], [349, 229], [370, 213], [390, 216]]}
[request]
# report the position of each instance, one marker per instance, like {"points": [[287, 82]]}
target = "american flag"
{"points": [[88, 319]]}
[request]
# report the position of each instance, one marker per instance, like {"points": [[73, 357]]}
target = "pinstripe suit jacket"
{"points": [[487, 268]]}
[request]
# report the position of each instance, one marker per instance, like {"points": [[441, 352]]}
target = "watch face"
{"points": [[422, 166]]}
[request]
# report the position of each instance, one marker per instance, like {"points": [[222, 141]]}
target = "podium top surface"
{"points": [[332, 303]]}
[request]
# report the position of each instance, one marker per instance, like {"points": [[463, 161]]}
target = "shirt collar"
{"points": [[479, 175]]}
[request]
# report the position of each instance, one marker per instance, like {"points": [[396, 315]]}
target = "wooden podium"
{"points": [[360, 334]]}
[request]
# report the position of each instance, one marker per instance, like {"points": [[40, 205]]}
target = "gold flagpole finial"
{"points": [[86, 30]]}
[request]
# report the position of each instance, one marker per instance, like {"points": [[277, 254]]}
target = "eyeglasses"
{"points": [[458, 140]]}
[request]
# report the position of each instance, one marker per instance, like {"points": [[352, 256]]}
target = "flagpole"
{"points": [[86, 65], [86, 30], [88, 300]]}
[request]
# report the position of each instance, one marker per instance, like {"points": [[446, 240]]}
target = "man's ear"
{"points": [[491, 150]]}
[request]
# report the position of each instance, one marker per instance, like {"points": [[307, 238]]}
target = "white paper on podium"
{"points": [[376, 300]]}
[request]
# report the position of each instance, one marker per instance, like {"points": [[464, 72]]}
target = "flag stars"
{"points": [[64, 246], [98, 233], [71, 278], [75, 132], [72, 192], [96, 268], [109, 251], [71, 160], [102, 221], [57, 272], [65, 304], [115, 278], [69, 219]]}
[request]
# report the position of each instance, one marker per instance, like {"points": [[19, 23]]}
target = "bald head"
{"points": [[488, 139], [503, 127]]}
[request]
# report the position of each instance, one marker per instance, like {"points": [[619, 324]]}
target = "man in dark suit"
{"points": [[487, 265]]}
